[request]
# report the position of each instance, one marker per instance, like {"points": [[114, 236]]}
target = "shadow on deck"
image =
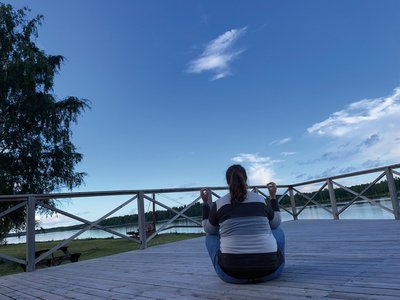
{"points": [[344, 259]]}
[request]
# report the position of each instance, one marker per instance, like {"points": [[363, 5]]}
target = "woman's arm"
{"points": [[275, 221], [210, 220]]}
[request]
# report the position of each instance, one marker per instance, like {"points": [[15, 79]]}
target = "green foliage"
{"points": [[36, 151], [194, 211]]}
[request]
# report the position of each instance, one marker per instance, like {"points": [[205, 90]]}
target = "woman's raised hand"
{"points": [[204, 194], [272, 190]]}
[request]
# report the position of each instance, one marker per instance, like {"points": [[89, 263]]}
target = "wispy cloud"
{"points": [[358, 115], [329, 172], [288, 153], [345, 150], [363, 134], [260, 169], [218, 55], [282, 141], [372, 163]]}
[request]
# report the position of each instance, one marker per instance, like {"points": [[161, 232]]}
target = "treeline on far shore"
{"points": [[378, 190]]}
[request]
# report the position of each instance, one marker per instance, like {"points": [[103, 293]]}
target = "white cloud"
{"points": [[259, 169], [288, 153], [358, 115], [218, 54], [282, 141], [367, 131]]}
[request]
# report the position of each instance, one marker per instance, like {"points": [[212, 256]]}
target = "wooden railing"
{"points": [[388, 172], [32, 202]]}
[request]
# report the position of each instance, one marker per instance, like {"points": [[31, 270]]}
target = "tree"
{"points": [[36, 151]]}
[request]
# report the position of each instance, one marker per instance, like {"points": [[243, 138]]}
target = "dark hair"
{"points": [[236, 178]]}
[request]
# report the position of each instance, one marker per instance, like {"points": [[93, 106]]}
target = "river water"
{"points": [[355, 211]]}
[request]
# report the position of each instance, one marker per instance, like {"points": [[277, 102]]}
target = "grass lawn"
{"points": [[90, 248]]}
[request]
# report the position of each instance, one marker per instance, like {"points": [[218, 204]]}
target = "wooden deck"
{"points": [[346, 259]]}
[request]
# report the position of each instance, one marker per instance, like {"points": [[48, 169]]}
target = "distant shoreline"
{"points": [[78, 227]]}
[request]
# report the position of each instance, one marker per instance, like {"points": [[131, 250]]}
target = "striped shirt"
{"points": [[245, 229]]}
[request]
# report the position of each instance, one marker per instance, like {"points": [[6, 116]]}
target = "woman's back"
{"points": [[243, 238], [246, 227]]}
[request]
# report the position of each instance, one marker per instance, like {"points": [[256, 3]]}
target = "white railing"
{"points": [[32, 202]]}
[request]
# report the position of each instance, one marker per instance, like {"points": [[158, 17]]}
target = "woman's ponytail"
{"points": [[236, 178]]}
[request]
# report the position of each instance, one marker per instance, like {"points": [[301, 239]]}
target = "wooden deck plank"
{"points": [[345, 259]]}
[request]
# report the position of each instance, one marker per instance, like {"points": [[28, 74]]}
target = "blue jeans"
{"points": [[213, 244]]}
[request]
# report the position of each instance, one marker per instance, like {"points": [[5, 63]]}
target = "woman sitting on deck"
{"points": [[243, 239]]}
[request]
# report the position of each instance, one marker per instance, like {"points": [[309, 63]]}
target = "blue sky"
{"points": [[180, 90]]}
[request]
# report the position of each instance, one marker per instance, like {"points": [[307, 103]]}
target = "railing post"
{"points": [[141, 221], [154, 216], [393, 193], [293, 203], [30, 234], [332, 197]]}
